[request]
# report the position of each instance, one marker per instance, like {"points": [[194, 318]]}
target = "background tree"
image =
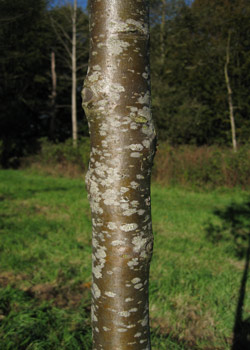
{"points": [[26, 112], [24, 63], [190, 98], [188, 57], [116, 99], [53, 95], [220, 36], [70, 27]]}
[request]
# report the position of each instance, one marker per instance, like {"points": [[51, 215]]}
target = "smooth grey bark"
{"points": [[230, 94], [117, 103]]}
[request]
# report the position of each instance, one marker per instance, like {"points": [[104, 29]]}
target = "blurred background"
{"points": [[200, 70]]}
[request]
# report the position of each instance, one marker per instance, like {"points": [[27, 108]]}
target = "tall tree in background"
{"points": [[69, 24], [230, 93], [74, 81], [53, 95], [222, 23], [116, 100], [24, 87]]}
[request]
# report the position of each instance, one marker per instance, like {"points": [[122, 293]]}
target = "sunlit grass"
{"points": [[45, 266]]}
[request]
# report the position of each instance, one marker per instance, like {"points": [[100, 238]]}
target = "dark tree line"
{"points": [[190, 45], [190, 96], [29, 33]]}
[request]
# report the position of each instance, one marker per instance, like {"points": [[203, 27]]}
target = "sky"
{"points": [[82, 3]]}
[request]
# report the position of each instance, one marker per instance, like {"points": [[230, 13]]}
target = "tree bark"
{"points": [[53, 96], [74, 81], [116, 100], [162, 32], [230, 93]]}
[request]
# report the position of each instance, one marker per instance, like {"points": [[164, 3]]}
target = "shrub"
{"points": [[61, 158], [185, 165], [206, 166]]}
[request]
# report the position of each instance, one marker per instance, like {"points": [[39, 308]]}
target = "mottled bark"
{"points": [[116, 100], [230, 94]]}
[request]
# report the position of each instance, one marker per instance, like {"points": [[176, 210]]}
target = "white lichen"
{"points": [[137, 335], [133, 262], [110, 197], [124, 313], [139, 243], [124, 190], [135, 280], [97, 271], [146, 143], [129, 227], [100, 253], [96, 291], [117, 243], [133, 309], [112, 226], [145, 99], [129, 212], [117, 46], [136, 147], [134, 185], [122, 330], [144, 322], [141, 212], [135, 155], [110, 294], [94, 76], [127, 300], [140, 26]]}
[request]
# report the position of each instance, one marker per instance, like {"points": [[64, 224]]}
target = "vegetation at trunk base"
{"points": [[45, 265], [60, 158], [186, 165], [202, 167]]}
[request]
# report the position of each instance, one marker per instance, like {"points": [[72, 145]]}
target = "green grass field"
{"points": [[197, 272]]}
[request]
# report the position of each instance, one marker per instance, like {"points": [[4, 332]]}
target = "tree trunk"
{"points": [[162, 33], [53, 96], [116, 100], [230, 93], [74, 81]]}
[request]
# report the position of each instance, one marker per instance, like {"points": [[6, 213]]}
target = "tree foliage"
{"points": [[24, 82], [189, 89], [188, 52], [27, 39]]}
